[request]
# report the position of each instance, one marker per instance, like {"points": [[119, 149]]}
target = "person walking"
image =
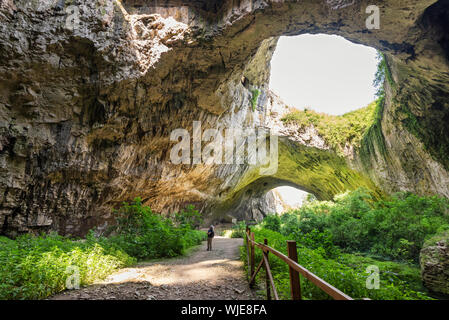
{"points": [[210, 236]]}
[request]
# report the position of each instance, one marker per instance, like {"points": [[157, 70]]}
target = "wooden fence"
{"points": [[294, 268]]}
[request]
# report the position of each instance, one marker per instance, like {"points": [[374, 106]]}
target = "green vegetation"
{"points": [[339, 239], [383, 74], [347, 275], [37, 267], [337, 131], [373, 136], [395, 228], [255, 95], [428, 130], [143, 234], [188, 217]]}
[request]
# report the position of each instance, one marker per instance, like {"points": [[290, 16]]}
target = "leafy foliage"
{"points": [[339, 239], [337, 131], [347, 272], [189, 217], [383, 74], [373, 136], [358, 128], [395, 228], [272, 222], [238, 230], [255, 95], [146, 235], [36, 267]]}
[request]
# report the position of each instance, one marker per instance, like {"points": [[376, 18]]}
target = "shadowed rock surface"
{"points": [[434, 260], [86, 109]]}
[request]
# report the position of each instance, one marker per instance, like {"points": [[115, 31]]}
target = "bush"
{"points": [[189, 217], [146, 235], [339, 239], [395, 228], [239, 230], [337, 131], [272, 222], [36, 267]]}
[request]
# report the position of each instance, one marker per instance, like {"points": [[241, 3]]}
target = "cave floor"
{"points": [[199, 275]]}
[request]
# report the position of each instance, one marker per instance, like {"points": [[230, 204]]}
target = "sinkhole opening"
{"points": [[324, 73]]}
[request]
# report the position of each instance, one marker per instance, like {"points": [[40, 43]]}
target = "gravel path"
{"points": [[201, 275]]}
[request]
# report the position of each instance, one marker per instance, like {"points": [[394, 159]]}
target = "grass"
{"points": [[255, 95]]}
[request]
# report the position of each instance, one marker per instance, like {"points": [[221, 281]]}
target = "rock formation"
{"points": [[90, 92]]}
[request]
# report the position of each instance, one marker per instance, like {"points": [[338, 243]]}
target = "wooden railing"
{"points": [[294, 269]]}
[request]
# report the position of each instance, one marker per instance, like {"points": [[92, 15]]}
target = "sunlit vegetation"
{"points": [[337, 131], [339, 239], [37, 267], [145, 235]]}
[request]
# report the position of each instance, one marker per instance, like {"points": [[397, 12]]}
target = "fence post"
{"points": [[268, 284], [295, 284], [252, 259]]}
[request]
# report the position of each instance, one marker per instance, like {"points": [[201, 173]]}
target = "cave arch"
{"points": [[320, 172]]}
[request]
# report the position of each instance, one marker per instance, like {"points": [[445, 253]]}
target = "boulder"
{"points": [[434, 260]]}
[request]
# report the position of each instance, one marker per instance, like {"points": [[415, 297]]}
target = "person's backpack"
{"points": [[210, 233]]}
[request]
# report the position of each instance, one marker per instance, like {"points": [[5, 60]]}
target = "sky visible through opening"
{"points": [[324, 73], [291, 197]]}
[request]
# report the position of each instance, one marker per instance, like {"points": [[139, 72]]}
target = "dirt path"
{"points": [[201, 275]]}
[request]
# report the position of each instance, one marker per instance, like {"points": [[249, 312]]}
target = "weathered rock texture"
{"points": [[434, 260], [91, 90]]}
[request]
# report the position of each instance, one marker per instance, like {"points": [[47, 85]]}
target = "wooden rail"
{"points": [[294, 269]]}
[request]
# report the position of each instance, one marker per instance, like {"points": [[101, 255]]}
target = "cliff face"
{"points": [[90, 92]]}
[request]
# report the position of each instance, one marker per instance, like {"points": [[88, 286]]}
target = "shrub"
{"points": [[339, 239], [254, 97], [239, 230], [189, 217], [272, 222], [37, 267], [337, 131], [146, 235], [349, 279], [394, 228]]}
